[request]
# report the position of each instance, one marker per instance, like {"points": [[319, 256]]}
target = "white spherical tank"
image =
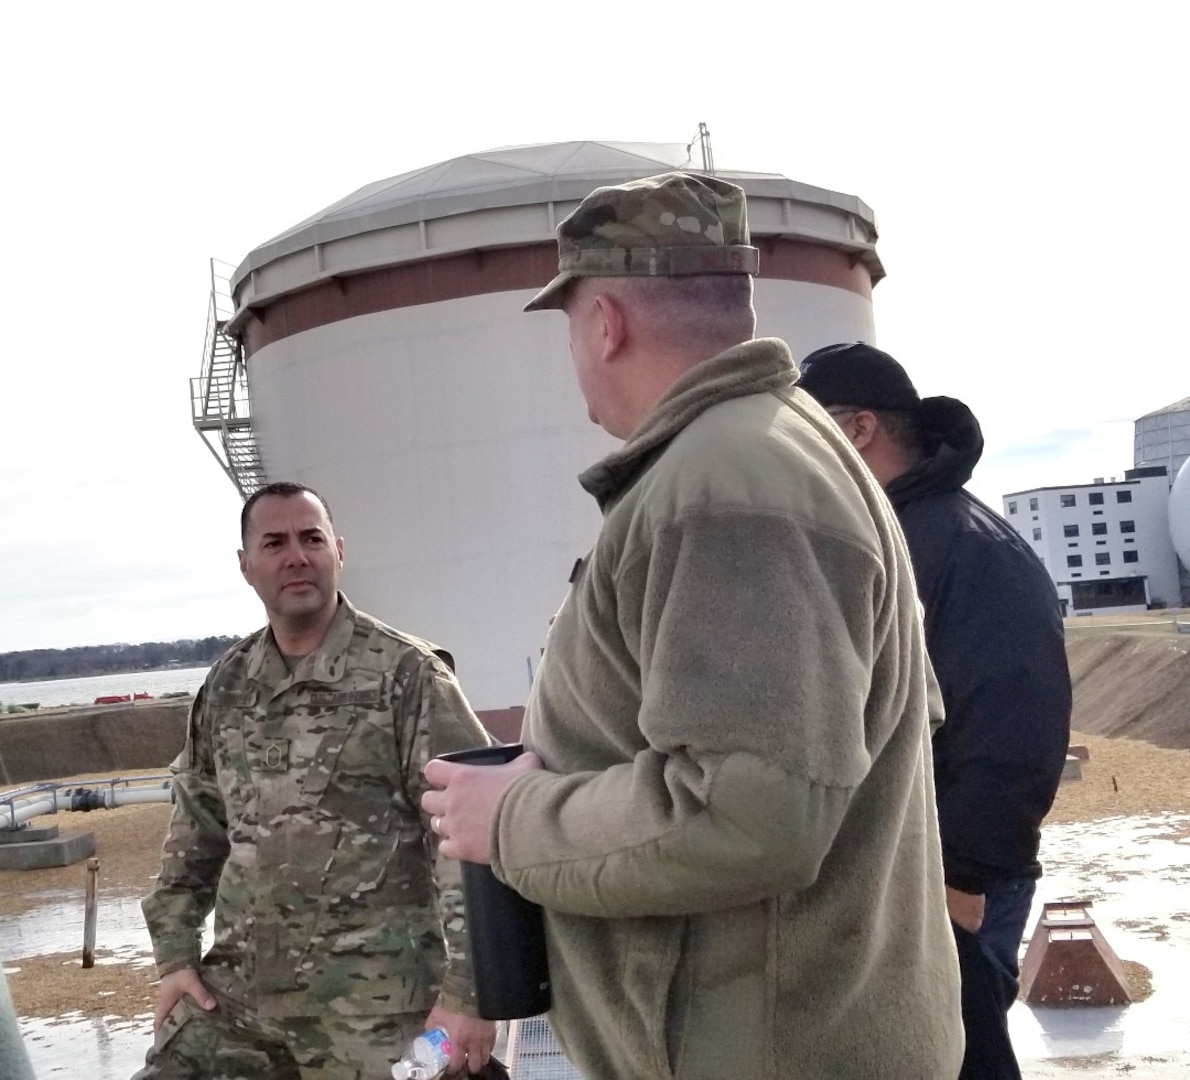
{"points": [[390, 366], [1179, 513]]}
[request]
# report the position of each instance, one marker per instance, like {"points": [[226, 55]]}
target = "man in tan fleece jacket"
{"points": [[727, 813]]}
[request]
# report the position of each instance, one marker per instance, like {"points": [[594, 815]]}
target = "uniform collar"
{"points": [[326, 664]]}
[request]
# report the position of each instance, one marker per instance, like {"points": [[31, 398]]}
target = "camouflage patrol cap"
{"points": [[670, 225]]}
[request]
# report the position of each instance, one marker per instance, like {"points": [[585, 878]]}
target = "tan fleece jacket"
{"points": [[736, 841]]}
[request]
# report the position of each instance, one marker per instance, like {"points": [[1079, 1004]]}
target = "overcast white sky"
{"points": [[1026, 163]]}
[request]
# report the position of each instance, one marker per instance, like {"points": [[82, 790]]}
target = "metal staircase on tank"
{"points": [[219, 402]]}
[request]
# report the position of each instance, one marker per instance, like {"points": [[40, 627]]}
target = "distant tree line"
{"points": [[36, 664]]}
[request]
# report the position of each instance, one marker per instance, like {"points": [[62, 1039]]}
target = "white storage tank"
{"points": [[1179, 514], [390, 366], [1162, 437]]}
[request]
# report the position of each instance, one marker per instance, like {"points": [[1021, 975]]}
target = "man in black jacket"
{"points": [[994, 634]]}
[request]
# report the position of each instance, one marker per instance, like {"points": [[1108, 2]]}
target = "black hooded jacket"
{"points": [[994, 634]]}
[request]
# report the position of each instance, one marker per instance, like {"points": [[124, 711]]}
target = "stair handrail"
{"points": [[219, 394], [219, 400]]}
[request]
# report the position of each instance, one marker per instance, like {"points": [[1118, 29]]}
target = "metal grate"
{"points": [[534, 1055]]}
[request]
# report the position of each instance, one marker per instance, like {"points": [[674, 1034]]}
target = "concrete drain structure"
{"points": [[29, 848], [1069, 962], [1075, 756]]}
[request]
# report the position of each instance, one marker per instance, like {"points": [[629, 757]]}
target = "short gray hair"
{"points": [[715, 309], [902, 427]]}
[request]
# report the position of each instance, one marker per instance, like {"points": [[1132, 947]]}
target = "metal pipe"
{"points": [[24, 804], [14, 814], [90, 913], [114, 797]]}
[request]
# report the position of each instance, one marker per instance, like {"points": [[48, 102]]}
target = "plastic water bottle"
{"points": [[426, 1057]]}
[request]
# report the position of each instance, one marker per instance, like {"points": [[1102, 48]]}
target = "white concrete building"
{"points": [[1106, 544]]}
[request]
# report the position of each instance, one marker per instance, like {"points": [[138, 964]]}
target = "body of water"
{"points": [[84, 691]]}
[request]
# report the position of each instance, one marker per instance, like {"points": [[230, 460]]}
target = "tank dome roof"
{"points": [[1176, 407], [524, 176]]}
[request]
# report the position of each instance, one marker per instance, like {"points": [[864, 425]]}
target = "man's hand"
{"points": [[461, 812], [965, 909], [471, 1039], [175, 986]]}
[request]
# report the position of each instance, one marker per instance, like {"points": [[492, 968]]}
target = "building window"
{"points": [[1129, 540], [1097, 513], [1032, 504], [1070, 530], [1127, 526], [1123, 496], [1099, 528], [1012, 508], [1103, 558], [1104, 573], [1074, 560], [1076, 575], [1113, 593], [1036, 534], [1100, 543], [1132, 556], [1066, 500], [1095, 498]]}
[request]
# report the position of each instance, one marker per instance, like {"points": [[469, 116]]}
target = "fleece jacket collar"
{"points": [[753, 367]]}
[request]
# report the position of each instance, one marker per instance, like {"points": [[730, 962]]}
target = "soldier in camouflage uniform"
{"points": [[338, 933]]}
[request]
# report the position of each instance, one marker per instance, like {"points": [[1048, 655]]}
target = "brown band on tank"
{"points": [[477, 273], [504, 724], [816, 264]]}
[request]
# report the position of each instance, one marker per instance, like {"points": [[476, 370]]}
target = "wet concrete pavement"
{"points": [[56, 926], [1137, 873], [1135, 870], [74, 1045], [78, 1046]]}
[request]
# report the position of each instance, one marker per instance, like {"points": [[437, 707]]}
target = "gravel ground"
{"points": [[1124, 777]]}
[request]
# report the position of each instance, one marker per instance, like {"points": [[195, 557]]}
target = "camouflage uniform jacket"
{"points": [[297, 821]]}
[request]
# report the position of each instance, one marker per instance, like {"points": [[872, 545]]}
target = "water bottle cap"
{"points": [[400, 1071]]}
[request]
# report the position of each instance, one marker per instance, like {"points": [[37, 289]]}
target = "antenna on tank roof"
{"points": [[703, 138]]}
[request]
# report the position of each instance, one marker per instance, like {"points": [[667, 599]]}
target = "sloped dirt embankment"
{"points": [[1132, 686]]}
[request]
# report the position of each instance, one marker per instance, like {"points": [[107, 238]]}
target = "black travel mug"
{"points": [[506, 931]]}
